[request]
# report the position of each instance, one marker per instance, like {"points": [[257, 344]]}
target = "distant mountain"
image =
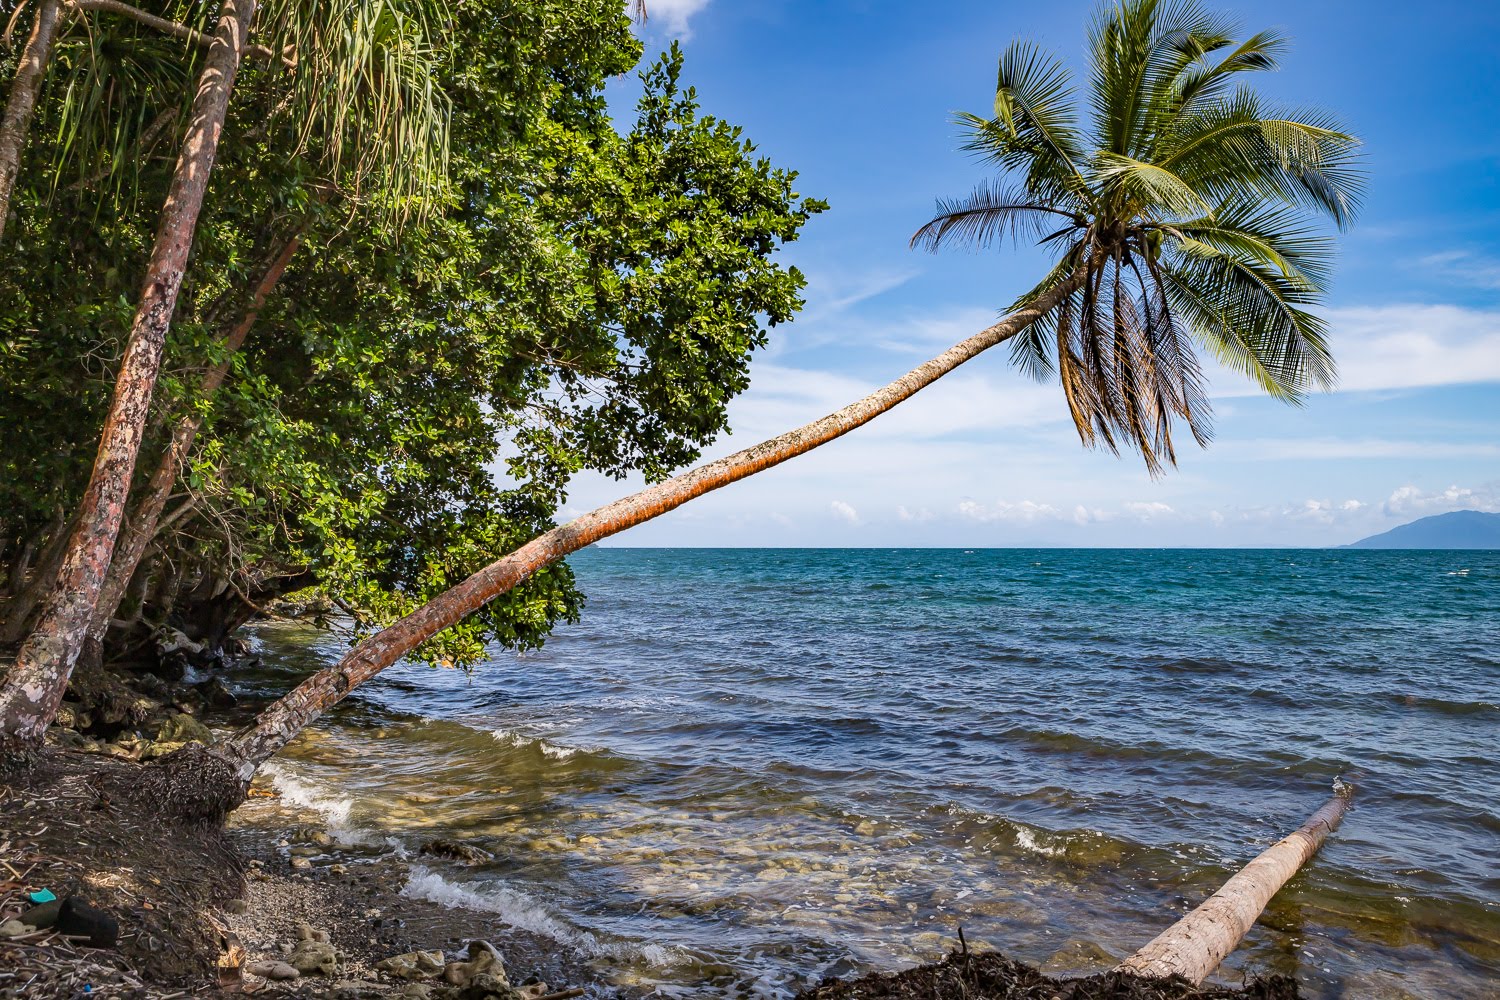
{"points": [[1460, 529]]}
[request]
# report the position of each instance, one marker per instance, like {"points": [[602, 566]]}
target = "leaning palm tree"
{"points": [[1178, 206]]}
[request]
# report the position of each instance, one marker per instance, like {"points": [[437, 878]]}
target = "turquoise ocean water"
{"points": [[746, 769]]}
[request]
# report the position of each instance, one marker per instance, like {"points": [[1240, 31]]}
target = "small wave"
{"points": [[1026, 840], [522, 911], [552, 751], [334, 809]]}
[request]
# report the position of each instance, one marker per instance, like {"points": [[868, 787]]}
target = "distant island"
{"points": [[1459, 529]]}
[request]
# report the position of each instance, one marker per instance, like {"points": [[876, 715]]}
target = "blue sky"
{"points": [[858, 97]]}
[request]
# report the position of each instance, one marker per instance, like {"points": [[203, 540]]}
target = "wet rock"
{"points": [[76, 917], [151, 751], [485, 986], [358, 989], [217, 693], [413, 965], [272, 970], [183, 728], [416, 991], [456, 850], [301, 863], [483, 960]]}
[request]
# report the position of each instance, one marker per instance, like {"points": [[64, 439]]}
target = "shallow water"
{"points": [[747, 769]]}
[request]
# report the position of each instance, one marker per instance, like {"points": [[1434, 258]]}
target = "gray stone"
{"points": [[413, 964], [483, 960], [314, 958], [272, 970]]}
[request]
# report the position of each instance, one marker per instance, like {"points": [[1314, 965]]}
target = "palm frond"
{"points": [[364, 94], [989, 214]]}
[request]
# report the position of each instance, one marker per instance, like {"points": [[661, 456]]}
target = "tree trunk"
{"points": [[140, 528], [24, 599], [1194, 946], [35, 686], [287, 717], [21, 104]]}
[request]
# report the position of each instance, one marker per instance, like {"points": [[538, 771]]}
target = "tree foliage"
{"points": [[476, 311]]}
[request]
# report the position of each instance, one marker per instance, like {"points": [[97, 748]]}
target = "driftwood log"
{"points": [[1194, 946]]}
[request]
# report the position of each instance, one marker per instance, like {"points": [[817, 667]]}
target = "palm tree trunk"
{"points": [[21, 104], [1194, 946], [34, 688], [142, 525], [283, 720]]}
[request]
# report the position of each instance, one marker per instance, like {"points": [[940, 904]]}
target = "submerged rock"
{"points": [[456, 850]]}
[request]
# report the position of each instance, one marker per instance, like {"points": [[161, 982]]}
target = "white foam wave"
{"points": [[335, 810], [550, 750], [522, 911], [299, 791], [1026, 840]]}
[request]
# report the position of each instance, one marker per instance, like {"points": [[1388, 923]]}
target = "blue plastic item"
{"points": [[41, 896]]}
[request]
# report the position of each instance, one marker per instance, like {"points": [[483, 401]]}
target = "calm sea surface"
{"points": [[747, 769]]}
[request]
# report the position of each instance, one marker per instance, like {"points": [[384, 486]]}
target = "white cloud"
{"points": [[1147, 511], [1409, 346], [844, 511], [1411, 501], [920, 514], [672, 15], [1025, 511]]}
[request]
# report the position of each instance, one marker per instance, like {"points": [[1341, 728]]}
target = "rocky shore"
{"points": [[271, 905]]}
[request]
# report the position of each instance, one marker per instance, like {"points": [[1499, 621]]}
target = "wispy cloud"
{"points": [[1463, 267], [844, 512], [672, 16]]}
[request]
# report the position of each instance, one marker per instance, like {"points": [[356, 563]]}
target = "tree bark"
{"points": [[141, 527], [1194, 946], [21, 104], [283, 720], [34, 688]]}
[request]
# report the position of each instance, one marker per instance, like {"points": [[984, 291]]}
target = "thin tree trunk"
{"points": [[34, 688], [21, 104], [24, 600], [142, 525], [287, 717], [1194, 946]]}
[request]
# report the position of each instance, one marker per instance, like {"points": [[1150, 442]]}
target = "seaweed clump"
{"points": [[966, 975]]}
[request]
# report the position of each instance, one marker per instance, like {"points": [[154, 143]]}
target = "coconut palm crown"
{"points": [[1183, 214]]}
